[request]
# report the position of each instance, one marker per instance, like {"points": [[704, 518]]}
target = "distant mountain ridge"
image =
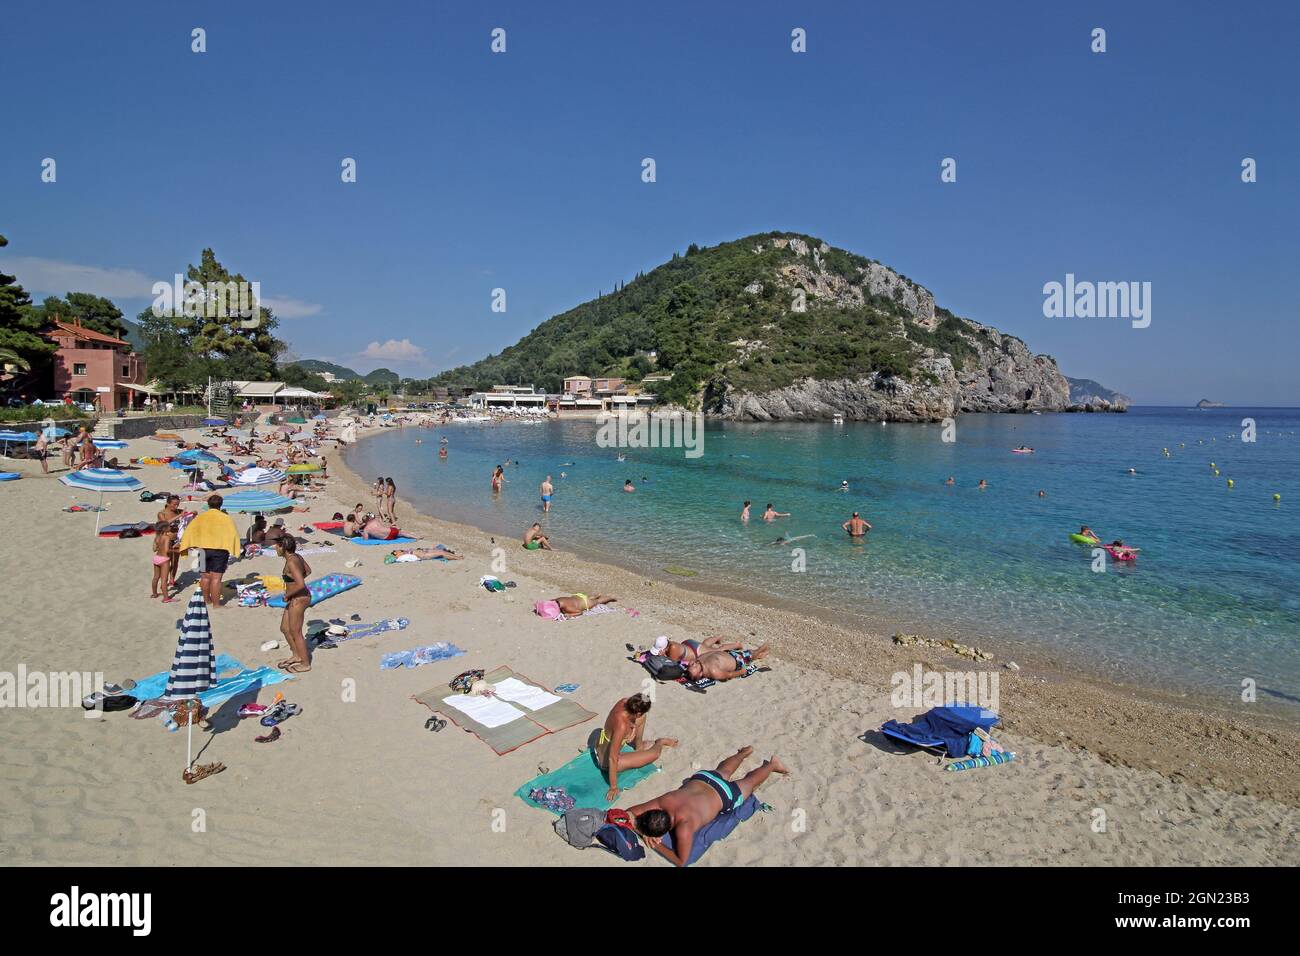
{"points": [[379, 376], [782, 326]]}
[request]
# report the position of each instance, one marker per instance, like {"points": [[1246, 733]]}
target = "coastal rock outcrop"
{"points": [[997, 372]]}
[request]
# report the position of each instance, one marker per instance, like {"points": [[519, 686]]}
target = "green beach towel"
{"points": [[582, 779]]}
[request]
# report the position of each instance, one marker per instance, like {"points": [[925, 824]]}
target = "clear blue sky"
{"points": [[522, 170]]}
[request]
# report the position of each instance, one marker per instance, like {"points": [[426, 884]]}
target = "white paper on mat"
{"points": [[525, 695], [486, 710]]}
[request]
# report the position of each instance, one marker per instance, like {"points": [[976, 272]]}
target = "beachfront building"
{"points": [[276, 393], [93, 368], [579, 386], [509, 397], [604, 387]]}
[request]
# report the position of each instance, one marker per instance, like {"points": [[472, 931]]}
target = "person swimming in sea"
{"points": [[744, 512], [628, 486], [771, 514], [983, 484], [951, 480]]}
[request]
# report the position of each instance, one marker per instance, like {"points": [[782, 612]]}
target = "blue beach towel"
{"points": [[718, 828], [419, 655], [947, 727], [371, 542], [237, 679], [584, 781]]}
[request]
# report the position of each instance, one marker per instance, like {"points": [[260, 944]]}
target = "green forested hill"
{"points": [[724, 316]]}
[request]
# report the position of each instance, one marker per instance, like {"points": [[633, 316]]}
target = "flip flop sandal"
{"points": [[201, 771], [435, 724], [273, 736], [281, 713]]}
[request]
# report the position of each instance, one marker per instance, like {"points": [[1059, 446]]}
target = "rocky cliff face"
{"points": [[999, 373]]}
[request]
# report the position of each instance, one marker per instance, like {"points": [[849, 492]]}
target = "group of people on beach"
{"points": [[682, 812]]}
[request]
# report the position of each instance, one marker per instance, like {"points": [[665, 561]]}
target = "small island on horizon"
{"points": [[1206, 403]]}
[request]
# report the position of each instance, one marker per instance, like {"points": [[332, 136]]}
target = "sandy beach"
{"points": [[1103, 776]]}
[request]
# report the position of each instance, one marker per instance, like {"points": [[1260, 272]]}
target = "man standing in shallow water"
{"points": [[547, 490]]}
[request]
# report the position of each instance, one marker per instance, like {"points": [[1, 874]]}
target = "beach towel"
{"points": [[115, 530], [370, 630], [420, 655], [718, 828], [322, 588], [513, 733], [946, 727], [238, 680], [371, 542], [583, 780]]}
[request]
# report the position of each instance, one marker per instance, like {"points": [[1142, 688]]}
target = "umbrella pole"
{"points": [[189, 742], [100, 513]]}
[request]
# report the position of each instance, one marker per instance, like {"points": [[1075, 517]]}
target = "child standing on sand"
{"points": [[164, 539]]}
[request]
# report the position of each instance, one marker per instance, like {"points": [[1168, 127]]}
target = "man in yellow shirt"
{"points": [[214, 534]]}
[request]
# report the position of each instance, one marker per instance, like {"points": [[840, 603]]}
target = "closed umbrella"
{"points": [[101, 480], [193, 671]]}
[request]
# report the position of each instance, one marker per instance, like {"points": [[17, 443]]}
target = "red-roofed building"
{"points": [[93, 367]]}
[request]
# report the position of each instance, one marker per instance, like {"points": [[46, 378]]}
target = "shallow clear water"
{"points": [[1212, 600]]}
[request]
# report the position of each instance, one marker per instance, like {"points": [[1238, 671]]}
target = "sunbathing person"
{"points": [[688, 650], [702, 797], [406, 555], [626, 725], [376, 529], [724, 665], [571, 606], [534, 539]]}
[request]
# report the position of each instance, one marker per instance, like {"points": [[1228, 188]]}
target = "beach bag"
{"points": [[664, 668], [148, 496], [618, 837], [463, 682], [579, 826]]}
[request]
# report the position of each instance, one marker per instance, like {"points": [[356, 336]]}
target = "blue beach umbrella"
{"points": [[52, 432], [101, 480], [254, 501], [199, 454], [13, 437]]}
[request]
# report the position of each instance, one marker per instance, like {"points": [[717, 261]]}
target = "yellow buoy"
{"points": [[1229, 482], [1277, 497]]}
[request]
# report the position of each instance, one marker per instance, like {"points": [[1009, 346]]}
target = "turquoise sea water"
{"points": [[1212, 600]]}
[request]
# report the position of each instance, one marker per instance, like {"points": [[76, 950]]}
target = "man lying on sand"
{"points": [[571, 606], [626, 725], [724, 665], [374, 528], [702, 797]]}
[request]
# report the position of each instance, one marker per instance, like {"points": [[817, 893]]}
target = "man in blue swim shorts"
{"points": [[547, 490], [701, 798], [724, 664]]}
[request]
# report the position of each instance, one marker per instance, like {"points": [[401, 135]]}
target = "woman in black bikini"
{"points": [[297, 598]]}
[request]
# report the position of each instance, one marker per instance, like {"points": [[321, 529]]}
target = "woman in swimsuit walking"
{"points": [[297, 598]]}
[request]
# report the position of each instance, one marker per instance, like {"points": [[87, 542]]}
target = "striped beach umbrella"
{"points": [[194, 668], [255, 501], [101, 480], [250, 477]]}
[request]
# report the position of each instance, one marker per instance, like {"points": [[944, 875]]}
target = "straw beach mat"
{"points": [[531, 725]]}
